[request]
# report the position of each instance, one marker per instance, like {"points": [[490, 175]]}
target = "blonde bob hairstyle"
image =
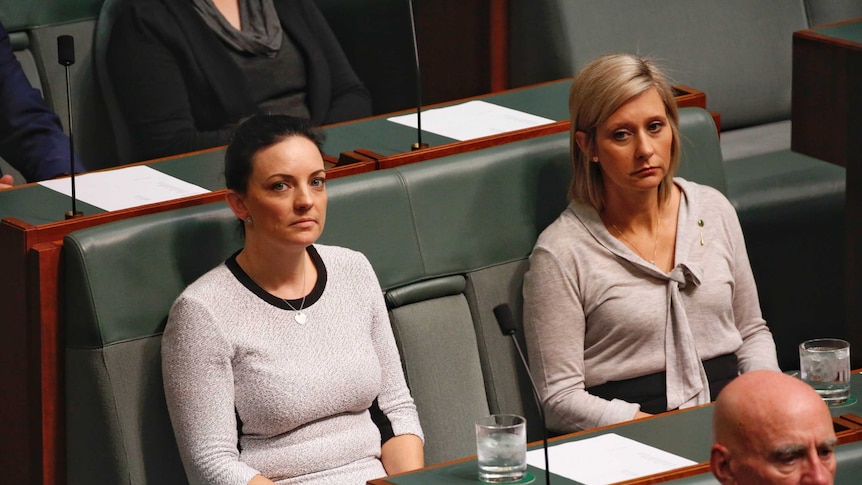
{"points": [[604, 85]]}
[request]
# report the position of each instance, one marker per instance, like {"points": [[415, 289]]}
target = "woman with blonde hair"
{"points": [[640, 297]]}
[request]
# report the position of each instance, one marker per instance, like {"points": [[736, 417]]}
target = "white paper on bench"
{"points": [[473, 119], [125, 187], [604, 459]]}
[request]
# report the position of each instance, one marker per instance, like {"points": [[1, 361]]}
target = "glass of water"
{"points": [[501, 443], [825, 364]]}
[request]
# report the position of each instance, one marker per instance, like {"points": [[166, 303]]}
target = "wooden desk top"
{"points": [[827, 72], [686, 433], [389, 145], [847, 33]]}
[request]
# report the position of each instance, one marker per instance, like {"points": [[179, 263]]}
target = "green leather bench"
{"points": [[448, 239]]}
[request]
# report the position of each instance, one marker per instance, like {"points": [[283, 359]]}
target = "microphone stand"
{"points": [[66, 57], [541, 412], [507, 325], [419, 144]]}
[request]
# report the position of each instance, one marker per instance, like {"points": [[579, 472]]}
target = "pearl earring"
{"points": [[595, 159], [248, 220]]}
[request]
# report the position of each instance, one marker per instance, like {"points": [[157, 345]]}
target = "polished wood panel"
{"points": [[445, 27], [499, 55], [827, 75]]}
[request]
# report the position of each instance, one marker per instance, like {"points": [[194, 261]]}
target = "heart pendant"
{"points": [[300, 318]]}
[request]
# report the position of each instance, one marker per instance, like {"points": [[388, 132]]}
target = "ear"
{"points": [[583, 141], [237, 204], [719, 463]]}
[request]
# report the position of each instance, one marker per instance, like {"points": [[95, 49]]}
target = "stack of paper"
{"points": [[125, 187], [605, 459], [473, 119]]}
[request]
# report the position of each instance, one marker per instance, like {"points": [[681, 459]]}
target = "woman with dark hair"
{"points": [[639, 298], [275, 361], [186, 71]]}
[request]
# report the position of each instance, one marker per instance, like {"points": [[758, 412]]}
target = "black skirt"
{"points": [[650, 391]]}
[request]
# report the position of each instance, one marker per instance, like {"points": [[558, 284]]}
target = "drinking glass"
{"points": [[501, 443], [825, 364]]}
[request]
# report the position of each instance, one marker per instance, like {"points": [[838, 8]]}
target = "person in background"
{"points": [[280, 364], [772, 429], [31, 136], [639, 298], [186, 71]]}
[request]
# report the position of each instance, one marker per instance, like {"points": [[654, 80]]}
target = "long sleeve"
{"points": [[160, 86], [199, 388], [180, 90], [758, 347], [31, 136], [595, 312], [347, 98], [394, 399], [554, 328], [251, 390]]}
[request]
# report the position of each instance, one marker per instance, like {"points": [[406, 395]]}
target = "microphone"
{"points": [[418, 145], [66, 50], [507, 325], [66, 57]]}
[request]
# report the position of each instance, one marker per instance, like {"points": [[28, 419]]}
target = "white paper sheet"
{"points": [[125, 187], [473, 119], [608, 458]]}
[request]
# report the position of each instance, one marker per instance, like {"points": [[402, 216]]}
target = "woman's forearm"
{"points": [[260, 480], [402, 453]]}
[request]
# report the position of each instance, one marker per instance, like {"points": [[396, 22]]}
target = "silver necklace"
{"points": [[300, 317], [655, 242]]}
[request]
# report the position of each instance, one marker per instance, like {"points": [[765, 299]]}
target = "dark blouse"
{"points": [[181, 90], [277, 84]]}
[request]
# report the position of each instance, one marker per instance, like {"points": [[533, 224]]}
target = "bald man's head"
{"points": [[770, 428]]}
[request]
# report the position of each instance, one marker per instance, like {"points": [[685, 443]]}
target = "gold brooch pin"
{"points": [[700, 223]]}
